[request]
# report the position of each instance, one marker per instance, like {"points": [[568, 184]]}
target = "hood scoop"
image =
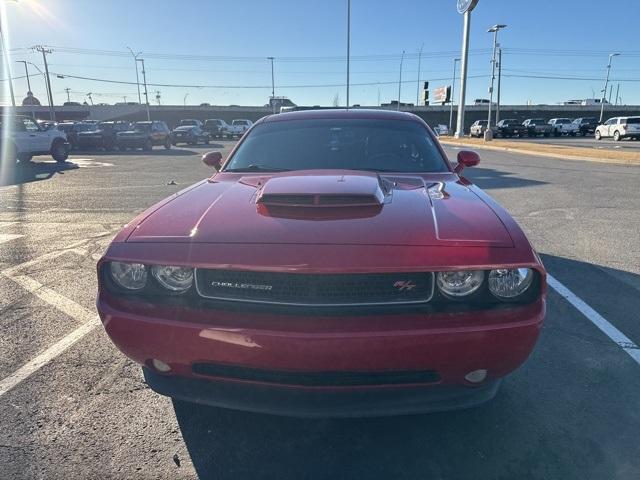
{"points": [[331, 190]]}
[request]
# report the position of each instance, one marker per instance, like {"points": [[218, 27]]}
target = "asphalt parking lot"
{"points": [[584, 142], [72, 406]]}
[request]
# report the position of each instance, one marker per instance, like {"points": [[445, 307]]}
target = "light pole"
{"points": [[488, 133], [400, 79], [348, 46], [273, 87], [26, 71], [135, 61], [184, 100], [46, 85], [7, 65], [499, 78], [606, 84], [146, 94], [418, 88], [465, 7], [453, 85]]}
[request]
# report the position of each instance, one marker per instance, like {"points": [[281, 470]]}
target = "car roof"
{"points": [[341, 113]]}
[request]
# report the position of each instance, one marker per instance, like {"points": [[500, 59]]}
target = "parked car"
{"points": [[146, 135], [441, 129], [312, 277], [216, 127], [478, 128], [537, 126], [71, 129], [586, 125], [238, 127], [26, 139], [563, 126], [190, 122], [102, 135], [619, 128], [189, 134], [509, 127]]}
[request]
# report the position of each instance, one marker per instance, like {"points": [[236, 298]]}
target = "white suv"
{"points": [[564, 126], [619, 127], [26, 139]]}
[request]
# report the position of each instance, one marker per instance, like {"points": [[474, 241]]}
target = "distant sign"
{"points": [[466, 5], [441, 94]]}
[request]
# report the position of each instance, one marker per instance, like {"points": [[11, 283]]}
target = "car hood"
{"points": [[184, 128], [132, 133], [349, 208]]}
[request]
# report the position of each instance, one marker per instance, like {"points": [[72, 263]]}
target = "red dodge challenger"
{"points": [[337, 264]]}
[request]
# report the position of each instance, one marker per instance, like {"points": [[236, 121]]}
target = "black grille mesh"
{"points": [[315, 289]]}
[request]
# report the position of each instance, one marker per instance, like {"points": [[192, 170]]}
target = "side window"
{"points": [[30, 125]]}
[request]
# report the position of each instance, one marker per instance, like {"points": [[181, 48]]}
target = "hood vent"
{"points": [[350, 190]]}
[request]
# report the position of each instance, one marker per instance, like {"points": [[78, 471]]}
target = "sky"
{"points": [[216, 51]]}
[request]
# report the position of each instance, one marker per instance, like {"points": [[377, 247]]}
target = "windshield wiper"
{"points": [[257, 168]]}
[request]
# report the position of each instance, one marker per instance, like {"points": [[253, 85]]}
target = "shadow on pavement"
{"points": [[488, 178], [26, 172]]}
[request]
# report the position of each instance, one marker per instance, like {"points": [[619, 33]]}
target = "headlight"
{"points": [[176, 279], [510, 283], [130, 276], [461, 283]]}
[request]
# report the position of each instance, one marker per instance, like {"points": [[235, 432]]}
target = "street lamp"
{"points": [[488, 133], [135, 61], [273, 87], [400, 79], [5, 56], [453, 85], [606, 84]]}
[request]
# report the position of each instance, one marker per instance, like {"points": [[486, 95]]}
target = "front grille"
{"points": [[315, 289]]}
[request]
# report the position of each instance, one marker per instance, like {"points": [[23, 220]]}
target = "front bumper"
{"points": [[132, 142], [450, 345], [90, 142]]}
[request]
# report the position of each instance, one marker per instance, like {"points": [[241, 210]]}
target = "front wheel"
{"points": [[59, 151], [598, 135], [167, 144], [148, 145], [616, 136]]}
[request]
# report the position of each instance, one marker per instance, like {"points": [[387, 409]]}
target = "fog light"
{"points": [[476, 376], [160, 365]]}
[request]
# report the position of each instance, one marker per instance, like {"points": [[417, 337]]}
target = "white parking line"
{"points": [[6, 237], [598, 320]]}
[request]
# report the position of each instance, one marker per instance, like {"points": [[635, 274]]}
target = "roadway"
{"points": [[625, 144], [72, 406]]}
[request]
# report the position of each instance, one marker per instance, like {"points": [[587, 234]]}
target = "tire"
{"points": [[598, 135], [148, 145], [616, 136], [59, 151], [167, 144], [545, 134], [206, 141]]}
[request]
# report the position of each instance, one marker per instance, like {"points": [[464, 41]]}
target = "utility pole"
{"points": [[400, 79], [488, 133], [44, 51], [499, 77], [135, 61], [273, 87], [68, 90], [464, 8], [617, 93], [606, 85], [453, 86], [146, 94], [418, 87], [348, 46]]}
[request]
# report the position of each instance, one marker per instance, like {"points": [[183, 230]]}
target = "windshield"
{"points": [[143, 126], [360, 144], [188, 123]]}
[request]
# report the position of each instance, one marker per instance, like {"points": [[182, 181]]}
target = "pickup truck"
{"points": [[216, 127], [586, 125], [537, 126], [563, 126], [238, 127], [27, 139], [509, 127]]}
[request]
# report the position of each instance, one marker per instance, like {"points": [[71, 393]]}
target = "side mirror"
{"points": [[466, 158], [213, 159]]}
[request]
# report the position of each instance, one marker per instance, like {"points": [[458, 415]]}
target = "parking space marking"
{"points": [[6, 237], [35, 364], [598, 320], [88, 319]]}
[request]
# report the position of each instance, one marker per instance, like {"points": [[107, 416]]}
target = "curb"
{"points": [[616, 161]]}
